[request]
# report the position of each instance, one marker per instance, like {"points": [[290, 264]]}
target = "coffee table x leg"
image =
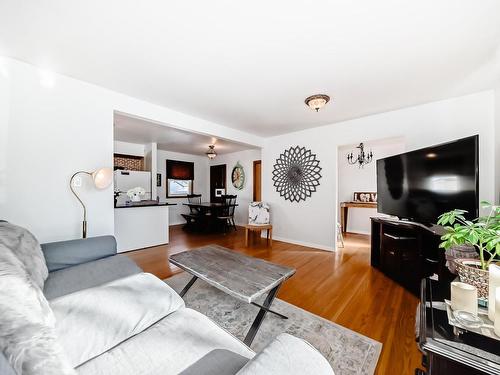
{"points": [[265, 308], [188, 285]]}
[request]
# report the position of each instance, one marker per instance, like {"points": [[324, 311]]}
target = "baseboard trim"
{"points": [[359, 232], [307, 244]]}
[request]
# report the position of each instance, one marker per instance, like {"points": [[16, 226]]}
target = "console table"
{"points": [[344, 211], [449, 350]]}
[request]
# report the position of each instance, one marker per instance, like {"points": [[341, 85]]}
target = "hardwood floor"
{"points": [[341, 287]]}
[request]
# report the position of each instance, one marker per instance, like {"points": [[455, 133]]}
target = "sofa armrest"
{"points": [[287, 355], [64, 254]]}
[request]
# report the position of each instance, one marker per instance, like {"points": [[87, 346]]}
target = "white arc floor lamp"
{"points": [[102, 178]]}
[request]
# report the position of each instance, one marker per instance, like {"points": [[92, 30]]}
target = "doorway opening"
{"points": [[357, 184]]}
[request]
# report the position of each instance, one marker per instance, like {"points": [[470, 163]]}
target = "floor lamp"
{"points": [[102, 178]]}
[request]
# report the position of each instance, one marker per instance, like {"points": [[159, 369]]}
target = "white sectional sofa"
{"points": [[100, 314]]}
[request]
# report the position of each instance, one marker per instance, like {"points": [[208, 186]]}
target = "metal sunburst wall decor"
{"points": [[296, 174]]}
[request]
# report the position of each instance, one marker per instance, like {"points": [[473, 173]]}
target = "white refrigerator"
{"points": [[126, 180]]}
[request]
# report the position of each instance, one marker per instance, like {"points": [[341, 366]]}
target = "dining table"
{"points": [[208, 213]]}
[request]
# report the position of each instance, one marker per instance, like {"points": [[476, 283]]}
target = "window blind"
{"points": [[180, 170]]}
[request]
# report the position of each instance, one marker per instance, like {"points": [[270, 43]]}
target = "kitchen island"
{"points": [[141, 224]]}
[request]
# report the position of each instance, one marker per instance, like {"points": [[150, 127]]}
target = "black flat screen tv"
{"points": [[420, 185]]}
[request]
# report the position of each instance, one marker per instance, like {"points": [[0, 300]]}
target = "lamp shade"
{"points": [[102, 178]]}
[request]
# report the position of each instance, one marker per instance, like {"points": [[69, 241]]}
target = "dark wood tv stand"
{"points": [[407, 251]]}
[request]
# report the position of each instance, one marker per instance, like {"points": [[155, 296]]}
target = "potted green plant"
{"points": [[483, 233]]}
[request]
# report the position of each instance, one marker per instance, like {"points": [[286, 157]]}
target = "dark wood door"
{"points": [[217, 180], [257, 178]]}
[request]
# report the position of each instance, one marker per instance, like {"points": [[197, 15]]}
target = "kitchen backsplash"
{"points": [[130, 163]]}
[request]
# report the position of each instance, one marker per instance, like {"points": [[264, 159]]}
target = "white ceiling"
{"points": [[140, 131], [249, 65]]}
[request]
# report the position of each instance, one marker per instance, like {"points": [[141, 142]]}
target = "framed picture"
{"points": [[158, 179], [367, 197]]}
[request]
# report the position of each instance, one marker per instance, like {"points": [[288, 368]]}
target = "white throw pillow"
{"points": [[92, 321], [258, 213]]}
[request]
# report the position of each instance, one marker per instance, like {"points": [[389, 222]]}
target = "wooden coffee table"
{"points": [[243, 277]]}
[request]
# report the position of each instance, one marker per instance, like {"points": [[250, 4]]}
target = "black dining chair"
{"points": [[192, 218], [227, 212]]}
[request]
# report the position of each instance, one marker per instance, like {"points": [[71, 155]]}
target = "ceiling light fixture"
{"points": [[211, 154], [316, 102]]}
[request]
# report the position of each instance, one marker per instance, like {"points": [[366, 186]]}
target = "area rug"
{"points": [[348, 352]]}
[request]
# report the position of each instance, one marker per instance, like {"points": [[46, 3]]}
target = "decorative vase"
{"points": [[459, 252], [470, 272]]}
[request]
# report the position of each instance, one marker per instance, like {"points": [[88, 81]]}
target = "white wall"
{"points": [[127, 148], [497, 144], [351, 178], [151, 165], [54, 125], [245, 195], [201, 182], [5, 90], [313, 222]]}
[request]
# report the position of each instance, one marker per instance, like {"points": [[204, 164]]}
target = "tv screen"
{"points": [[420, 185]]}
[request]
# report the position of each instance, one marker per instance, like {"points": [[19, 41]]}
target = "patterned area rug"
{"points": [[348, 352]]}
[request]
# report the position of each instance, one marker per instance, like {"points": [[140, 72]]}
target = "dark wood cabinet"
{"points": [[407, 252]]}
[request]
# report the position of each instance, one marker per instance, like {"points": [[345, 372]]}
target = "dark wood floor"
{"points": [[341, 287]]}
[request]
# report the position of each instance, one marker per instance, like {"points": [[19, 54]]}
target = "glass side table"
{"points": [[448, 350]]}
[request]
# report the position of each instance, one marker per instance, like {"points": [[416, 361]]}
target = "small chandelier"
{"points": [[211, 154], [363, 157], [316, 102]]}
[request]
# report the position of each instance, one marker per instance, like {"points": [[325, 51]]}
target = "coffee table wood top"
{"points": [[238, 275]]}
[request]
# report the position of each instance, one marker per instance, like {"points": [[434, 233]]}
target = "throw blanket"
{"points": [[92, 321], [27, 335], [27, 249]]}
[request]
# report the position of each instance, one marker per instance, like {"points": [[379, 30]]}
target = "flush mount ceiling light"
{"points": [[316, 102], [211, 154]]}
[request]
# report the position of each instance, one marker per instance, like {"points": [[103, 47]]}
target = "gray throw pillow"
{"points": [[27, 327], [27, 249]]}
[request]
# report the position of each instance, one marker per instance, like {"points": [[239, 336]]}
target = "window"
{"points": [[179, 188], [180, 177]]}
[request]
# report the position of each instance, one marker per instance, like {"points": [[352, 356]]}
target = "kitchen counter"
{"points": [[145, 226], [145, 204]]}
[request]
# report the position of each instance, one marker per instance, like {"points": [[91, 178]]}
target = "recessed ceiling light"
{"points": [[431, 155], [316, 102]]}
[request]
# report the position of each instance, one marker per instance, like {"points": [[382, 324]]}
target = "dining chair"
{"points": [[227, 213], [340, 236], [193, 216], [194, 199]]}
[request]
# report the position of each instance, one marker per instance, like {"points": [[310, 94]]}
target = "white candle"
{"points": [[493, 284], [497, 311], [463, 297]]}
